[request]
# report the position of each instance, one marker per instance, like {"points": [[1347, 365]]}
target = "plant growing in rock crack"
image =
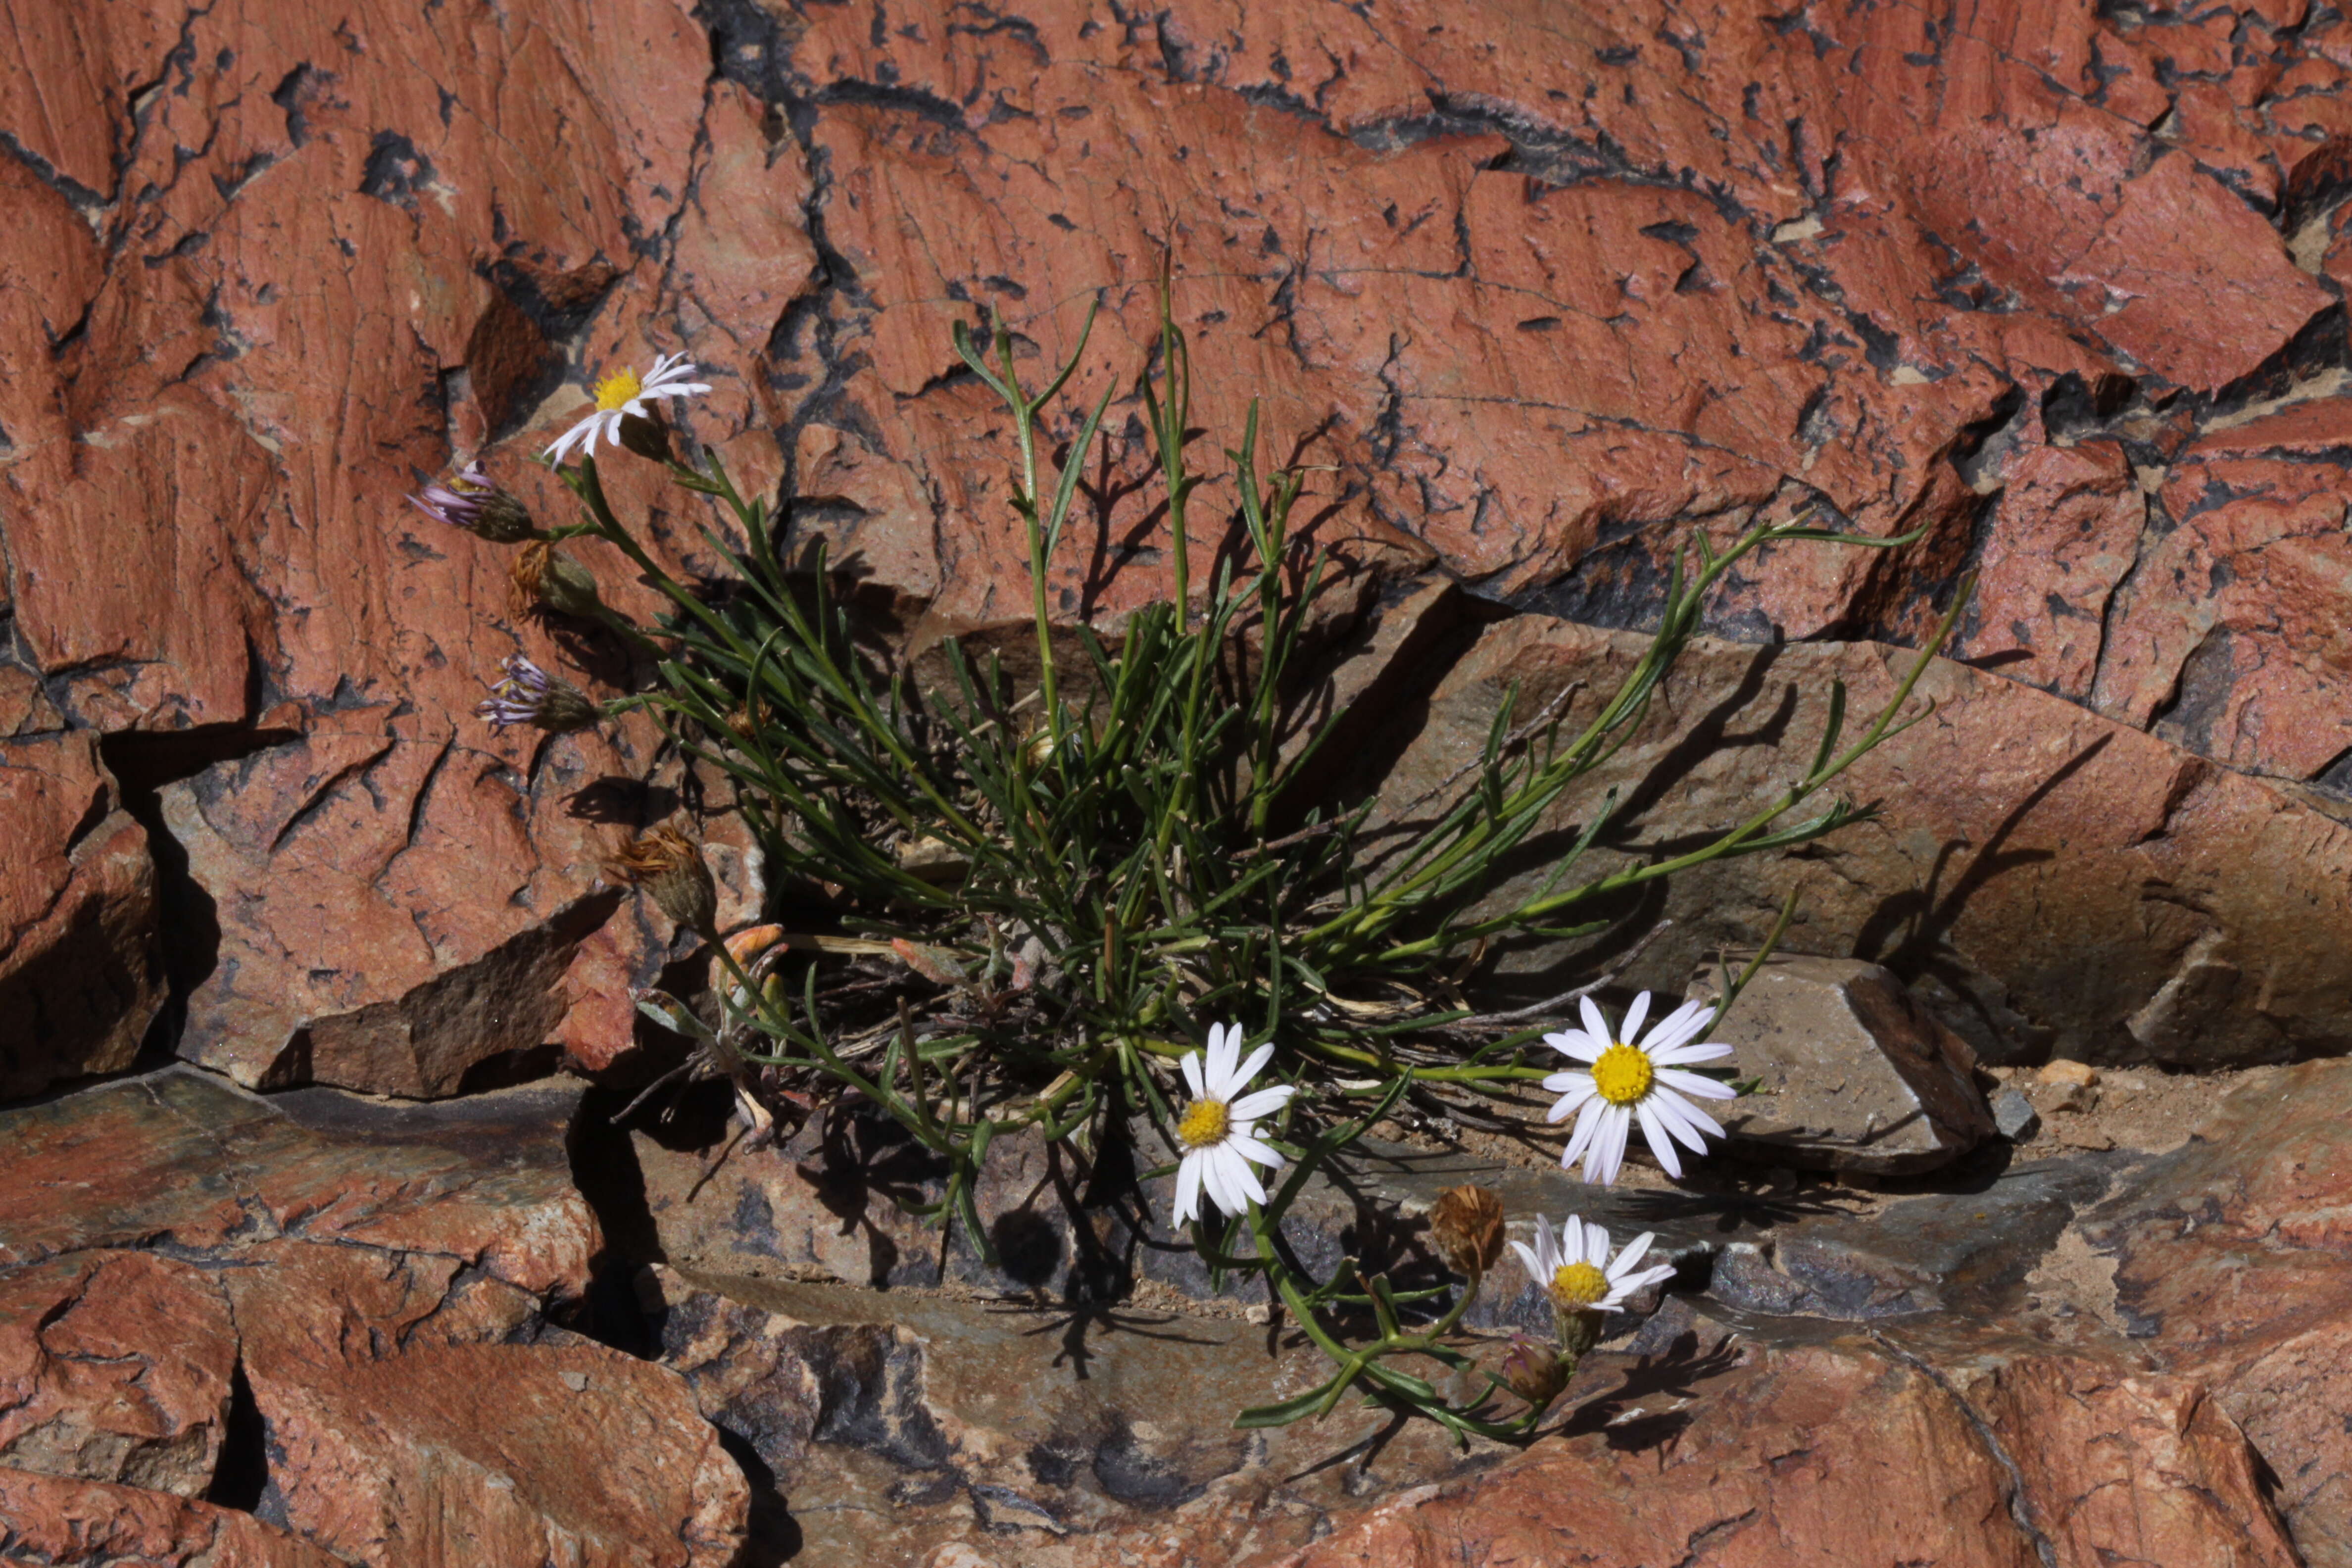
{"points": [[1024, 910]]}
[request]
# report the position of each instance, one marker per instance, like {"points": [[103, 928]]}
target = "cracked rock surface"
{"points": [[1536, 295]]}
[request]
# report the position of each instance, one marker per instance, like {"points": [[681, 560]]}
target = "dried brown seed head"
{"points": [[542, 575], [1466, 1224], [670, 866]]}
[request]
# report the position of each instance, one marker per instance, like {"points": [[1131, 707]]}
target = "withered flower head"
{"points": [[471, 502], [528, 695], [670, 866], [739, 724], [544, 575], [1466, 1224], [1535, 1371]]}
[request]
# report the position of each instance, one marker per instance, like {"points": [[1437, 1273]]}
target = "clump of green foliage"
{"points": [[1037, 902]]}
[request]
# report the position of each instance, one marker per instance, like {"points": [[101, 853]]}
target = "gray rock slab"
{"points": [[1856, 1075]]}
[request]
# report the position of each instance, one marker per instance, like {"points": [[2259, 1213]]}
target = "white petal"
{"points": [[1577, 1044], [1249, 1148], [1596, 1244], [1689, 1115], [1675, 1055], [1213, 1182], [1239, 1178], [563, 444], [1188, 1188], [1250, 1069], [1534, 1265], [1608, 1156], [1224, 1048], [1649, 1277], [1692, 1083], [1264, 1103], [1631, 1029], [1580, 1088], [1595, 1024], [687, 390], [1660, 1142], [1632, 1254], [1587, 1125], [1686, 1023], [1546, 1250], [1673, 1114], [1192, 1066]]}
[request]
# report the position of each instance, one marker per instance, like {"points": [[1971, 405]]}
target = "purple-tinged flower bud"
{"points": [[471, 502], [1535, 1371], [528, 695]]}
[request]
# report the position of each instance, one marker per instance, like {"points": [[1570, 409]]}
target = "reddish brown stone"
{"points": [[115, 1367], [59, 1522], [2052, 881], [2232, 1268], [1535, 302], [1843, 1453], [80, 973], [384, 1280]]}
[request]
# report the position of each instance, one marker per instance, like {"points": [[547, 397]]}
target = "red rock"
{"points": [[1534, 303], [500, 1455], [1843, 1453], [385, 1278], [2050, 881], [2231, 1269], [115, 1367], [80, 976], [63, 1523], [2232, 637]]}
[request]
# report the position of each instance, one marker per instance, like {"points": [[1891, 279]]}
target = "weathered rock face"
{"points": [[2050, 882], [80, 977], [1853, 1074], [1537, 298], [2230, 1266], [1846, 1453], [63, 1523], [380, 1282]]}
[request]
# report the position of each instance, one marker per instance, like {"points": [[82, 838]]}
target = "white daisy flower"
{"points": [[1219, 1131], [1575, 1270], [1626, 1078], [621, 395]]}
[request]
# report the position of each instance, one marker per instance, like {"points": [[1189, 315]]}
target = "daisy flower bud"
{"points": [[471, 502], [668, 865], [528, 695], [542, 575], [1535, 1371], [1466, 1224], [621, 397]]}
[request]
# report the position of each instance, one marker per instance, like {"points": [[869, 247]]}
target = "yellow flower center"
{"points": [[617, 389], [1579, 1284], [1205, 1124], [1622, 1074]]}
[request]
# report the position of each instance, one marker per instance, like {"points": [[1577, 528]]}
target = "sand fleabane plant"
{"points": [[1628, 1076], [1218, 1131], [1016, 907]]}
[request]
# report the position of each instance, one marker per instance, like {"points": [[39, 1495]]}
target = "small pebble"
{"points": [[2069, 1097], [2065, 1071], [577, 1382], [2015, 1116]]}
